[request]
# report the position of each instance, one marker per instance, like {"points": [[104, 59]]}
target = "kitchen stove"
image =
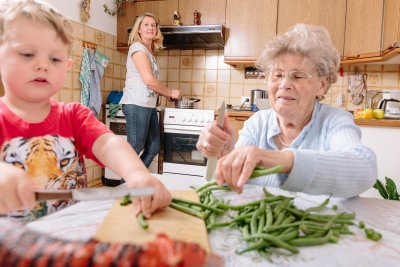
{"points": [[182, 128]]}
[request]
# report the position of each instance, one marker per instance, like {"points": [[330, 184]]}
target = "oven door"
{"points": [[181, 155]]}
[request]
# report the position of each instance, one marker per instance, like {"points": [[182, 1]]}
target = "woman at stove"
{"points": [[317, 146], [142, 88]]}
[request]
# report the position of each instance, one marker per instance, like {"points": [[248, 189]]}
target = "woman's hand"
{"points": [[175, 94], [236, 168], [16, 189], [150, 204], [214, 141]]}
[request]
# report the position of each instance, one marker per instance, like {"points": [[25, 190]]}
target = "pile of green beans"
{"points": [[269, 223], [273, 221]]}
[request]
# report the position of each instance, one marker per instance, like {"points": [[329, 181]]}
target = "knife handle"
{"points": [[50, 195]]}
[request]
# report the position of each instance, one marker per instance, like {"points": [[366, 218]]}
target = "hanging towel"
{"points": [[113, 108], [84, 76], [97, 65]]}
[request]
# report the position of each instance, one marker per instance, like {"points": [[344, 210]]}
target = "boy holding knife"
{"points": [[42, 141]]}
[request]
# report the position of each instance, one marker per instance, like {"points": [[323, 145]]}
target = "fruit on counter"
{"points": [[357, 113], [379, 113], [367, 113]]}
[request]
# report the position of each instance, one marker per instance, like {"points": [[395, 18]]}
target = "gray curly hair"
{"points": [[311, 42]]}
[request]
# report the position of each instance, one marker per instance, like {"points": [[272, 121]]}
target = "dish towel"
{"points": [[97, 65], [84, 76], [113, 109]]}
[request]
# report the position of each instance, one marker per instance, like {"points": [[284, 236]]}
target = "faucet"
{"points": [[247, 100], [371, 100]]}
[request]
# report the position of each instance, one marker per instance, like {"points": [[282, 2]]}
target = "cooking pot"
{"points": [[391, 108], [257, 94], [186, 102]]}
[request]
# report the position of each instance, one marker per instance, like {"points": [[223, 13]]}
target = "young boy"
{"points": [[42, 142]]}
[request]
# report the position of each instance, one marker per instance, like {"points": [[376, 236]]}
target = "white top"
{"points": [[136, 91]]}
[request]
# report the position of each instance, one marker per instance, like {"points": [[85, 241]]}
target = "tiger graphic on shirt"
{"points": [[52, 161]]}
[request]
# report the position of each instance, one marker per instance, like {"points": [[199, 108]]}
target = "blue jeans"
{"points": [[143, 131]]}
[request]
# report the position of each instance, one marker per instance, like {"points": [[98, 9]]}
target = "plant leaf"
{"points": [[391, 189], [379, 186]]}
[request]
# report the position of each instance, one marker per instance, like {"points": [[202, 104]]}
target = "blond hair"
{"points": [[134, 36], [311, 42], [11, 10]]}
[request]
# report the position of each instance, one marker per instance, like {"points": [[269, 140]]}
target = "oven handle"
{"points": [[183, 130]]}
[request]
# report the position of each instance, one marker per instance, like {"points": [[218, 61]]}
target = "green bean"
{"points": [[269, 217], [207, 185], [193, 203], [187, 210], [307, 241], [282, 226], [276, 241], [126, 200], [318, 208], [142, 221], [260, 171], [260, 244]]}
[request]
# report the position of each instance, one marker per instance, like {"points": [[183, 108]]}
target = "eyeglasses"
{"points": [[276, 75]]}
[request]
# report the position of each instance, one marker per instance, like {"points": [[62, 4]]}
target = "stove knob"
{"points": [[195, 120], [201, 120], [183, 119], [189, 119]]}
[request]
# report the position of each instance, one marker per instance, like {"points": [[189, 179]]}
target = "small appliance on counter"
{"points": [[391, 108], [255, 95]]}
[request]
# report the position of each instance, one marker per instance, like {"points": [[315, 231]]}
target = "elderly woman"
{"points": [[318, 146]]}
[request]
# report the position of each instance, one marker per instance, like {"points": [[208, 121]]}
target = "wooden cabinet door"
{"points": [[328, 13], [363, 33], [162, 9], [391, 23], [212, 12], [249, 25]]}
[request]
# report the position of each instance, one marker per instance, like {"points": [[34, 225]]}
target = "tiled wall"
{"points": [[113, 77]]}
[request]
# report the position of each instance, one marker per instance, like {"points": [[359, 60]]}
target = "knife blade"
{"points": [[212, 161], [86, 194]]}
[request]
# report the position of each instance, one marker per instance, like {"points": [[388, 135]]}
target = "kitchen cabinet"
{"points": [[391, 23], [363, 32], [328, 13], [211, 13], [249, 24], [162, 9]]}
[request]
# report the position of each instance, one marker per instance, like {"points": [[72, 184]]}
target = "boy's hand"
{"points": [[16, 189], [149, 205]]}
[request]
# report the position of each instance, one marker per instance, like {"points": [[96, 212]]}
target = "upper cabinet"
{"points": [[249, 24], [391, 23], [162, 9], [363, 29], [328, 13], [212, 12]]}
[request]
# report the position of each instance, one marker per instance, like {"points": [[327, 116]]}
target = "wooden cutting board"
{"points": [[120, 225]]}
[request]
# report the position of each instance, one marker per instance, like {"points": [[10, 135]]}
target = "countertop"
{"points": [[80, 221], [377, 122]]}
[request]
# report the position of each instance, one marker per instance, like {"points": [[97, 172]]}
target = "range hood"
{"points": [[194, 36]]}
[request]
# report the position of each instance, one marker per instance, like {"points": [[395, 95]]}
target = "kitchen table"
{"points": [[81, 220]]}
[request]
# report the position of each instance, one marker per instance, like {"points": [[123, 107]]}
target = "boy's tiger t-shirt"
{"points": [[51, 151]]}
